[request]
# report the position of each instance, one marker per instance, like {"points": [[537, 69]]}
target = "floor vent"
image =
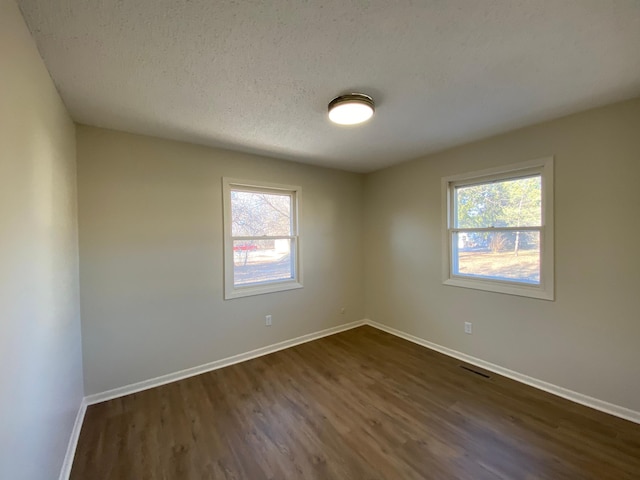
{"points": [[475, 371]]}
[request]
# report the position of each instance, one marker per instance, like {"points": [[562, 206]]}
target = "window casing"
{"points": [[261, 238], [498, 230]]}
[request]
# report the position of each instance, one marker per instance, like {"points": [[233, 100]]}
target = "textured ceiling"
{"points": [[256, 76]]}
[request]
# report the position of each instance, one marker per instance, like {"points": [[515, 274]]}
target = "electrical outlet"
{"points": [[342, 310], [267, 320], [468, 328]]}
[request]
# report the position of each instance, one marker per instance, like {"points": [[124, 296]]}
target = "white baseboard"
{"points": [[208, 367], [601, 405], [173, 377], [65, 472], [576, 397]]}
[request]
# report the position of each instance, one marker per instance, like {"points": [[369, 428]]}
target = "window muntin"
{"points": [[261, 238], [499, 230]]}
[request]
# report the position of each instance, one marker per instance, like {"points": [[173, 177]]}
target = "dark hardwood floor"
{"points": [[361, 404]]}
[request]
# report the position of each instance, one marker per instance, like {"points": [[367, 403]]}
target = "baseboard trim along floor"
{"points": [[65, 472], [224, 362], [576, 397]]}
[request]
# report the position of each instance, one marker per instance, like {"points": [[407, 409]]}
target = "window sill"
{"points": [[532, 291], [250, 290]]}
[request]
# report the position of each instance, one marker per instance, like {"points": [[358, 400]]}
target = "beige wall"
{"points": [[150, 216], [586, 340], [40, 345]]}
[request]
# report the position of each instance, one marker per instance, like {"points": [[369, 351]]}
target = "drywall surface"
{"points": [[40, 346], [587, 339], [151, 256]]}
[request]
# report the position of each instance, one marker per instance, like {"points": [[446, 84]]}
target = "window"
{"points": [[498, 230], [261, 243]]}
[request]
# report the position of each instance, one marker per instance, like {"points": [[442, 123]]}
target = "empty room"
{"points": [[320, 240]]}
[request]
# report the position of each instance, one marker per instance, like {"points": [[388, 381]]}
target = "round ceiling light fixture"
{"points": [[351, 109]]}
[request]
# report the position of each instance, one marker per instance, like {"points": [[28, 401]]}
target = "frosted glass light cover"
{"points": [[350, 111]]}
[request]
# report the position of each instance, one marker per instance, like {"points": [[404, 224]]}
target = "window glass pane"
{"points": [[505, 203], [511, 256], [255, 214], [260, 261]]}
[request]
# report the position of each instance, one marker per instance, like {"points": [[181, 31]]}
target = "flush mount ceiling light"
{"points": [[351, 109]]}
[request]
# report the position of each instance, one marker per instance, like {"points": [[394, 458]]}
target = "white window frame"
{"points": [[230, 289], [545, 290]]}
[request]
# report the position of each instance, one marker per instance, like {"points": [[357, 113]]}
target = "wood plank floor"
{"points": [[361, 404]]}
